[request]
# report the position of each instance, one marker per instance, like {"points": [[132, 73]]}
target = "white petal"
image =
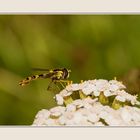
{"points": [[93, 118], [57, 111], [107, 93], [120, 98], [96, 93], [59, 99], [126, 116], [71, 107]]}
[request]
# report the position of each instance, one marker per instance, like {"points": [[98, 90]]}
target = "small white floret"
{"points": [[57, 111], [59, 99]]}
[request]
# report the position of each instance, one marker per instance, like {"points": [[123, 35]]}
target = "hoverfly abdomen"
{"points": [[34, 77]]}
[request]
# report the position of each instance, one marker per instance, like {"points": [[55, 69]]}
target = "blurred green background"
{"points": [[92, 46]]}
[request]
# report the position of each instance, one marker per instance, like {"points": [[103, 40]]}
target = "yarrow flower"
{"points": [[95, 88], [100, 103], [73, 114]]}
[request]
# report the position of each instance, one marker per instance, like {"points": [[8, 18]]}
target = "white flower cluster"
{"points": [[95, 87], [88, 112]]}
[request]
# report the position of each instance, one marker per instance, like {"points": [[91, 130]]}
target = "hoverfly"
{"points": [[56, 75]]}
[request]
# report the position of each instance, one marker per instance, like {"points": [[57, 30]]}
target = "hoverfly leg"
{"points": [[50, 84], [61, 84], [55, 82], [48, 88], [68, 82]]}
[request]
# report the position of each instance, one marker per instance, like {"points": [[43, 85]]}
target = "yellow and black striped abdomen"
{"points": [[34, 77]]}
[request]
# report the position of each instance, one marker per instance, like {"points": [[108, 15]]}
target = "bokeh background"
{"points": [[92, 46]]}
